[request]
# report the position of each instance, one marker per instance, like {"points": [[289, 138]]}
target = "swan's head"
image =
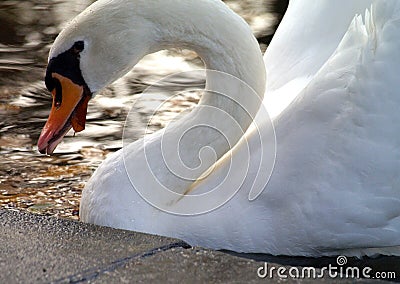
{"points": [[106, 40], [95, 49]]}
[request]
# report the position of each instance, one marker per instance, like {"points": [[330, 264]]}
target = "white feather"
{"points": [[332, 88]]}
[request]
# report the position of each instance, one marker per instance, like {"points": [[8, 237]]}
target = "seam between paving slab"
{"points": [[93, 273]]}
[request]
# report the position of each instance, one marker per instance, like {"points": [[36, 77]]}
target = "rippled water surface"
{"points": [[53, 185]]}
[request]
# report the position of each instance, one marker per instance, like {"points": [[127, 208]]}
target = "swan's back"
{"points": [[307, 36], [339, 141]]}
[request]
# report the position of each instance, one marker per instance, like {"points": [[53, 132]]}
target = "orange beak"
{"points": [[64, 115]]}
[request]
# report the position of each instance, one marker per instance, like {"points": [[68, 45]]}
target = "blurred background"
{"points": [[53, 185]]}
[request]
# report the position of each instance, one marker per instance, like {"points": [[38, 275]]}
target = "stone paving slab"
{"points": [[38, 249], [198, 265]]}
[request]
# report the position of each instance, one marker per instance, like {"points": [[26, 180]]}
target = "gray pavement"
{"points": [[38, 249]]}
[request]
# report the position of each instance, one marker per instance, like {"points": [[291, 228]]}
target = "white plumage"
{"points": [[332, 86]]}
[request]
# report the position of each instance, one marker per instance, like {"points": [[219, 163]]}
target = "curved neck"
{"points": [[220, 37], [233, 94]]}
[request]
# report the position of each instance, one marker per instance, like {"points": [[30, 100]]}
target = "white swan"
{"points": [[335, 187]]}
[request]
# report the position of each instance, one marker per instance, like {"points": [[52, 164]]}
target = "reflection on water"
{"points": [[53, 185]]}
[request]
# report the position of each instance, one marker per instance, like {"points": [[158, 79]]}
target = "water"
{"points": [[53, 185]]}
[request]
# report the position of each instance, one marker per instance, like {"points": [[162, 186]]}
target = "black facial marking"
{"points": [[79, 46], [67, 65]]}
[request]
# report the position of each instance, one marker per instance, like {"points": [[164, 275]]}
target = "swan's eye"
{"points": [[57, 93], [79, 46]]}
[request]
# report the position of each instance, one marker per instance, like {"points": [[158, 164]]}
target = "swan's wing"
{"points": [[339, 141], [307, 36], [299, 49]]}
